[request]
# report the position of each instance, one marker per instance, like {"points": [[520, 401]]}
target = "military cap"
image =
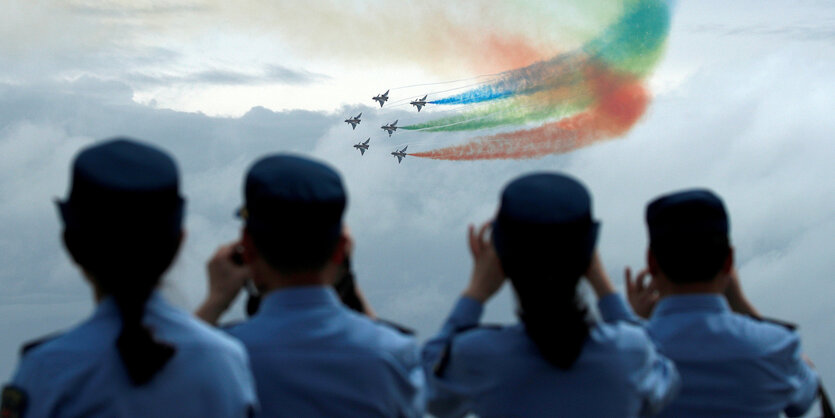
{"points": [[293, 195], [686, 216], [544, 212], [123, 184]]}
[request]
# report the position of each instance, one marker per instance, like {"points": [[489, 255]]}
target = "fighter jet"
{"points": [[419, 103], [354, 121], [400, 154], [381, 98], [390, 128], [363, 146]]}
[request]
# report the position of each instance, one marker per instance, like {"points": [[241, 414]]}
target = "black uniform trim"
{"points": [[30, 345], [14, 402], [787, 325], [401, 329], [443, 362]]}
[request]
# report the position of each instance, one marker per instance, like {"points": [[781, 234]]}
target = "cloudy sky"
{"points": [[742, 104]]}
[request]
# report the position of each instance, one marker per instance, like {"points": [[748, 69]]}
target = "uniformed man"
{"points": [[554, 362], [732, 364], [311, 355], [136, 355]]}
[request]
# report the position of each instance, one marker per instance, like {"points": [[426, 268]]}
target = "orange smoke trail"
{"points": [[621, 103]]}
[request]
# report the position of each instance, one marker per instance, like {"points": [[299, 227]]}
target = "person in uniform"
{"points": [[136, 355], [555, 361], [311, 354], [733, 363]]}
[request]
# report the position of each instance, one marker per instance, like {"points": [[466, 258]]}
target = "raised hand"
{"points": [[641, 292]]}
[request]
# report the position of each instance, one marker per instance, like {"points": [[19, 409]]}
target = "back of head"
{"points": [[688, 235], [123, 225], [545, 236], [293, 211]]}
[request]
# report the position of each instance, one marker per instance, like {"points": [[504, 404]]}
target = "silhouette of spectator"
{"points": [[136, 355], [554, 362], [311, 354]]}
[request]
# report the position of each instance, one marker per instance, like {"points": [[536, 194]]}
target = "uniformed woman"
{"points": [[136, 355], [555, 361]]}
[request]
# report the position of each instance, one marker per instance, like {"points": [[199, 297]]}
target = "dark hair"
{"points": [[294, 251], [698, 259], [555, 318], [128, 265]]}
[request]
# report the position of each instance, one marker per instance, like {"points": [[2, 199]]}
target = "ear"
{"points": [[250, 253], [652, 264], [342, 249], [729, 262]]}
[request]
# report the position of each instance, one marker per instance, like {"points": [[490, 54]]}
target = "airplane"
{"points": [[381, 98], [419, 103], [354, 121], [363, 146], [400, 154], [390, 127]]}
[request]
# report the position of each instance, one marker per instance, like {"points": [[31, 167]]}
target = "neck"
{"points": [[667, 287], [274, 280]]}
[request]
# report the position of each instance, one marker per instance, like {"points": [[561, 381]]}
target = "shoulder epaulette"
{"points": [[231, 324], [787, 325], [398, 327], [30, 345], [493, 327], [443, 362]]}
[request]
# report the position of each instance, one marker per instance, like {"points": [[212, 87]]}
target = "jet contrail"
{"points": [[579, 97]]}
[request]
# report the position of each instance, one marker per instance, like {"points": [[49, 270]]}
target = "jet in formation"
{"points": [[400, 154], [390, 128], [381, 98], [363, 146], [354, 121], [419, 103]]}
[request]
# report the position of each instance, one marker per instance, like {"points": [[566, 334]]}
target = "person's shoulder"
{"points": [[488, 341], [189, 333], [621, 335], [765, 336]]}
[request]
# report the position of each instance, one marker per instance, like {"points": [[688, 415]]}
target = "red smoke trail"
{"points": [[621, 102]]}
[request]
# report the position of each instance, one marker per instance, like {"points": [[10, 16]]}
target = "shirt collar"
{"points": [[107, 307], [299, 297], [700, 302]]}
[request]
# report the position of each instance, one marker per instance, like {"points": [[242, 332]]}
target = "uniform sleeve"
{"points": [[800, 378], [449, 389], [37, 400], [412, 398], [614, 308], [653, 376]]}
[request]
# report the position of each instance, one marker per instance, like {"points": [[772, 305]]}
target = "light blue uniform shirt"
{"points": [[313, 357], [731, 365], [501, 373], [80, 374]]}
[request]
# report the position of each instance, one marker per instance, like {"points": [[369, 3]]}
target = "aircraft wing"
{"points": [[362, 151], [353, 125], [399, 159], [419, 106], [367, 141]]}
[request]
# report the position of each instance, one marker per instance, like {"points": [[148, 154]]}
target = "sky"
{"points": [[741, 103]]}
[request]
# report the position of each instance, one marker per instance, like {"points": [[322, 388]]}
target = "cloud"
{"points": [[272, 74]]}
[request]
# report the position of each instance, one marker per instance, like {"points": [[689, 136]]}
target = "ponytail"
{"points": [[142, 355], [130, 281], [554, 318]]}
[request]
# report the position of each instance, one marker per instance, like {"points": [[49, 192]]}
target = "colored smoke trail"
{"points": [[614, 115], [581, 97]]}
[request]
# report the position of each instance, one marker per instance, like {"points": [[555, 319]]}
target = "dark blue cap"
{"points": [[541, 213], [121, 184], [685, 216], [286, 194]]}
